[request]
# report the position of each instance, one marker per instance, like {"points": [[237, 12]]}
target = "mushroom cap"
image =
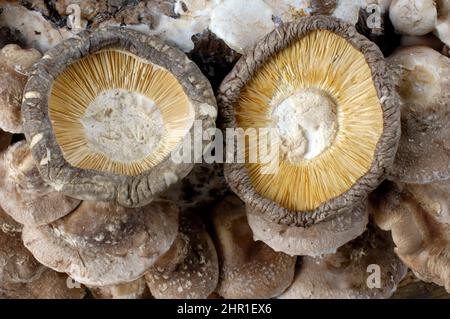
{"points": [[273, 195], [14, 64], [422, 78], [17, 264], [48, 284], [8, 224], [346, 273], [195, 276], [321, 238], [102, 244], [21, 275], [442, 29], [24, 195], [248, 268], [413, 17], [71, 157], [136, 289], [418, 217]]}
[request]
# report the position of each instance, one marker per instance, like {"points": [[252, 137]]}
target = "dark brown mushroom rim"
{"points": [[356, 54], [104, 110]]}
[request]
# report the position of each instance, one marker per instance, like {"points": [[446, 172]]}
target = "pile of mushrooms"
{"points": [[96, 203]]}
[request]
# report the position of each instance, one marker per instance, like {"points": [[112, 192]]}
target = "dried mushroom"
{"points": [[418, 217], [413, 17], [193, 271], [22, 276], [321, 109], [15, 64], [136, 289], [248, 268], [422, 80], [322, 238], [23, 193], [91, 95], [102, 244], [366, 267]]}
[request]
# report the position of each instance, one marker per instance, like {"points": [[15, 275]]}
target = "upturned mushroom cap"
{"points": [[14, 65], [418, 217], [248, 269], [23, 193], [422, 79], [347, 273], [413, 17], [321, 238], [136, 289], [93, 94], [193, 277], [331, 168], [103, 244]]}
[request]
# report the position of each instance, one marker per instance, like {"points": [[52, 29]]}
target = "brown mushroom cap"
{"points": [[136, 289], [418, 217], [21, 276], [248, 269], [14, 65], [49, 284], [17, 265], [23, 193], [345, 274], [103, 244], [193, 277], [276, 196], [61, 127], [422, 78], [8, 224], [321, 238]]}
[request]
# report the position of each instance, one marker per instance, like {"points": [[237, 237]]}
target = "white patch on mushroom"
{"points": [[170, 178], [208, 110], [123, 125], [36, 139], [37, 32], [32, 95], [307, 124]]}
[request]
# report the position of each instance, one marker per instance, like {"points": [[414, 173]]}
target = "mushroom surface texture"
{"points": [[422, 80], [14, 67], [418, 217], [442, 29], [321, 238], [413, 17], [22, 276], [8, 224], [136, 289], [248, 268], [366, 267], [102, 244], [319, 85], [91, 95], [24, 195], [192, 274]]}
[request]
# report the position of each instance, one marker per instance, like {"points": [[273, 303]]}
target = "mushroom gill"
{"points": [[114, 98], [319, 95]]}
